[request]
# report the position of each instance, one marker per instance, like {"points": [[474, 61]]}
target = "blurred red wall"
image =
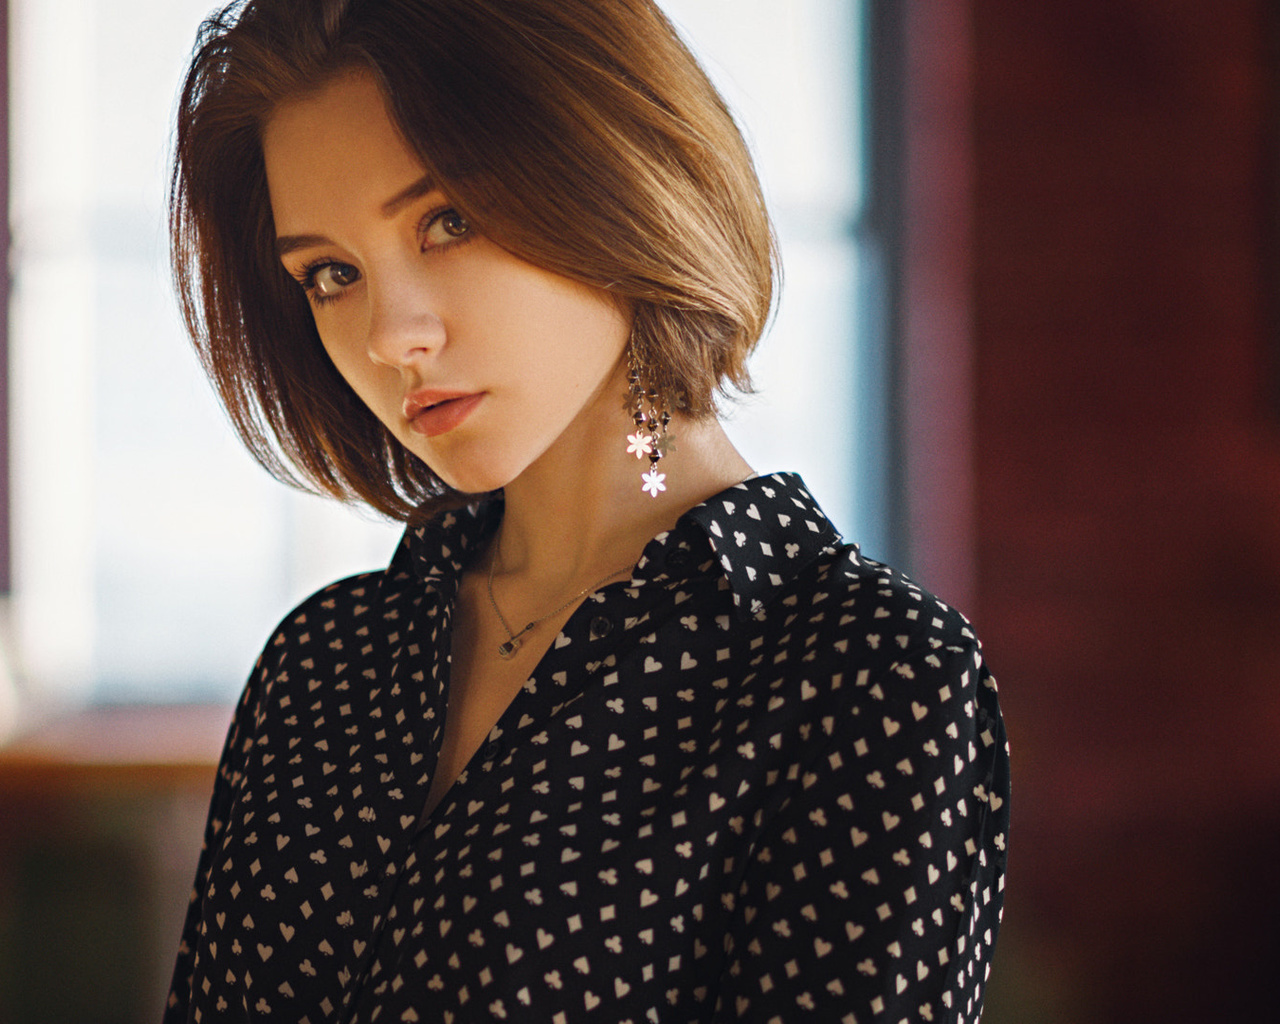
{"points": [[1126, 455]]}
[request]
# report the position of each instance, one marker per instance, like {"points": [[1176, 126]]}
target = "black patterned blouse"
{"points": [[766, 779]]}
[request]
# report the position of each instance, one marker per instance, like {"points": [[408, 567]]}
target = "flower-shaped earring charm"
{"points": [[653, 482], [640, 444], [650, 415]]}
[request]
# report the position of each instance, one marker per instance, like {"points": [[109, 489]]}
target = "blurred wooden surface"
{"points": [[107, 747], [101, 815]]}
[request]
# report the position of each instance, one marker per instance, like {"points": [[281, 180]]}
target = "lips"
{"points": [[432, 412]]}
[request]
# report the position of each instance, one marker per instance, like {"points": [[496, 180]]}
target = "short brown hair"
{"points": [[581, 135]]}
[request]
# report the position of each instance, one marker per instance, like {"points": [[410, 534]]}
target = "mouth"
{"points": [[432, 412]]}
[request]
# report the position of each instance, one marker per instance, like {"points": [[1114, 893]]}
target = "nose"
{"points": [[404, 321]]}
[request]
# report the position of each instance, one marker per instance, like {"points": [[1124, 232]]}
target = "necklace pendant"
{"points": [[509, 648]]}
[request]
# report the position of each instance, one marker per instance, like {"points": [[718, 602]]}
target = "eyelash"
{"points": [[438, 214], [306, 275], [307, 278]]}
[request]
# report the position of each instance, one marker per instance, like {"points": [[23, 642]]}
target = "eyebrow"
{"points": [[407, 195], [286, 244]]}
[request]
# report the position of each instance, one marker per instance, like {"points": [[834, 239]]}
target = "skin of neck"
{"points": [[578, 511]]}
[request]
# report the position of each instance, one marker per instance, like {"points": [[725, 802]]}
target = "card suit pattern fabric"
{"points": [[764, 779]]}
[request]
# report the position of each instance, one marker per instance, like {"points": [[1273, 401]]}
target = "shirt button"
{"points": [[601, 626], [491, 750], [679, 558]]}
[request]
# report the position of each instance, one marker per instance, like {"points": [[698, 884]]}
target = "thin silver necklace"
{"points": [[512, 643]]}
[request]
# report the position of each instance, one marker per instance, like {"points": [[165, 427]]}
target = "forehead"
{"points": [[335, 148]]}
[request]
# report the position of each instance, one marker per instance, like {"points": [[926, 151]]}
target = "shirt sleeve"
{"points": [[226, 782], [875, 893]]}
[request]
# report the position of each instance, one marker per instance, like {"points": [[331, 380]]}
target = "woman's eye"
{"points": [[329, 279], [445, 227]]}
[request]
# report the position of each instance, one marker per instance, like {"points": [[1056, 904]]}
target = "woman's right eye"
{"points": [[325, 281]]}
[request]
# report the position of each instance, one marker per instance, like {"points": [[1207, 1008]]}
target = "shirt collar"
{"points": [[760, 533], [438, 551]]}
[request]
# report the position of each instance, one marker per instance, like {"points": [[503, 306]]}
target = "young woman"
{"points": [[624, 732]]}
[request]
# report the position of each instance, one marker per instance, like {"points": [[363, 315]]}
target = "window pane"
{"points": [[792, 75], [151, 555]]}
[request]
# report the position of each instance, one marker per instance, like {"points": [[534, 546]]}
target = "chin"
{"points": [[481, 477], [471, 483], [475, 465]]}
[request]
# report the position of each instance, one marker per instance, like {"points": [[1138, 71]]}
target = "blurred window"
{"points": [[151, 555]]}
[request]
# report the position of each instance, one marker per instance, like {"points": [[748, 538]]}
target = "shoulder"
{"points": [[877, 617], [324, 658], [894, 669], [817, 615], [326, 619], [887, 840], [337, 633], [782, 558]]}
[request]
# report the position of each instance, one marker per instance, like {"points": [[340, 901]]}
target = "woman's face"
{"points": [[477, 361]]}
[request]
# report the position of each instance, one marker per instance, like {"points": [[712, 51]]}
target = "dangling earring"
{"points": [[651, 416]]}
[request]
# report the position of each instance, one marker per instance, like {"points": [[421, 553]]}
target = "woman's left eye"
{"points": [[443, 228], [326, 280]]}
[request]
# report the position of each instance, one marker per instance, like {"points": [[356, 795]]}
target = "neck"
{"points": [[579, 512]]}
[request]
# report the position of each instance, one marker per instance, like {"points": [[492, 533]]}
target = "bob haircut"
{"points": [[580, 135]]}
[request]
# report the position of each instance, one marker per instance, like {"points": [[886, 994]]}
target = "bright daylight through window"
{"points": [[152, 556]]}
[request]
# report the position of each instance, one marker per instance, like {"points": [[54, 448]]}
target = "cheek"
{"points": [[516, 299], [578, 328], [338, 355], [351, 361]]}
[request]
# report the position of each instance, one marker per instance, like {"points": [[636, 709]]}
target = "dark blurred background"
{"points": [[1126, 411], [1088, 378]]}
